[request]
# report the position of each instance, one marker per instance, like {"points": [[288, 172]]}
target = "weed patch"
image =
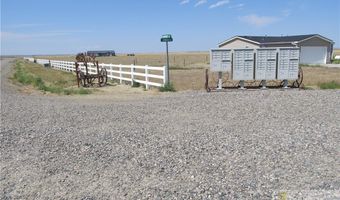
{"points": [[135, 84], [329, 85], [167, 88], [29, 76]]}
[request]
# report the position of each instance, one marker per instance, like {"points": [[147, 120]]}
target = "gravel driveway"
{"points": [[231, 145]]}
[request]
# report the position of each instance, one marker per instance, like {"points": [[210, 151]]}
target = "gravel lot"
{"points": [[232, 145]]}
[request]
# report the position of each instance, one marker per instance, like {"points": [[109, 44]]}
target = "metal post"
{"points": [[97, 69], [167, 64], [264, 84], [285, 84], [220, 80], [242, 85], [167, 38], [207, 79]]}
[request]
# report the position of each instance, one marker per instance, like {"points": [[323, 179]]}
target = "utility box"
{"points": [[288, 63], [265, 66], [220, 60], [243, 64], [257, 64]]}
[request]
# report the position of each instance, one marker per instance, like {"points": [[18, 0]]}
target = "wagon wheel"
{"points": [[90, 79], [273, 83], [82, 79], [298, 82], [102, 78], [225, 79], [228, 82], [289, 84], [252, 83]]}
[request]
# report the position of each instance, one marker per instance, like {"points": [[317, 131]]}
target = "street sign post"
{"points": [[167, 38]]}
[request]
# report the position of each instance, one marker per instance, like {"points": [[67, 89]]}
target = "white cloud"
{"points": [[241, 5], [219, 3], [184, 2], [200, 2], [258, 21]]}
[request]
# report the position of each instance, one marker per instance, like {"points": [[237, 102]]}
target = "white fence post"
{"points": [[164, 75], [132, 76], [120, 74], [146, 77], [111, 68]]}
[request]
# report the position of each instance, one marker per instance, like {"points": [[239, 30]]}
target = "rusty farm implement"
{"points": [[88, 71]]}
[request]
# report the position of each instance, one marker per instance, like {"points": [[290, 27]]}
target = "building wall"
{"points": [[315, 41], [239, 44]]}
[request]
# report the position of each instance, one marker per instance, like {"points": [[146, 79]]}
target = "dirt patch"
{"points": [[120, 92]]}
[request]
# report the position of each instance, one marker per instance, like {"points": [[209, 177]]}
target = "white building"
{"points": [[314, 49]]}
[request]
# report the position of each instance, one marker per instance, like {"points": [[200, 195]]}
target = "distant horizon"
{"points": [[129, 26], [119, 53]]}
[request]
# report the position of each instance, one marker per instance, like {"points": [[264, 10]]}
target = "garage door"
{"points": [[313, 55]]}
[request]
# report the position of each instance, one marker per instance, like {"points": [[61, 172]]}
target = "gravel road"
{"points": [[188, 145]]}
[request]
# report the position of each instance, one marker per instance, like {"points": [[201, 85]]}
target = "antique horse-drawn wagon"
{"points": [[89, 77]]}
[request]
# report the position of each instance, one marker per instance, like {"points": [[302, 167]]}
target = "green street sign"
{"points": [[166, 38]]}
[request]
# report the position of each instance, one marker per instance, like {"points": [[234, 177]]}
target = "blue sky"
{"points": [[135, 26]]}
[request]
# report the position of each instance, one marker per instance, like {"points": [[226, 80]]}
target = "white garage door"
{"points": [[313, 55]]}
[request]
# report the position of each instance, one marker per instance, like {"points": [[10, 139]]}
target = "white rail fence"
{"points": [[147, 75]]}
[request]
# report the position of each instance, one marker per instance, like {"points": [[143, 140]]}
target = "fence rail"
{"points": [[130, 73]]}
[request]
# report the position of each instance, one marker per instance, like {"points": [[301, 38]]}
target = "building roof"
{"points": [[270, 39], [276, 39]]}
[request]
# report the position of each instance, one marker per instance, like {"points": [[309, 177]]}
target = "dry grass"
{"points": [[188, 79], [195, 79], [336, 52], [177, 60], [313, 76], [49, 75]]}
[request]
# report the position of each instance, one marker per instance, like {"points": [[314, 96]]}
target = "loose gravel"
{"points": [[189, 145]]}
